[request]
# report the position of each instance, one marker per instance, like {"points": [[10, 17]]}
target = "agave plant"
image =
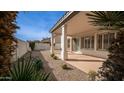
{"points": [[24, 70], [38, 76], [38, 64]]}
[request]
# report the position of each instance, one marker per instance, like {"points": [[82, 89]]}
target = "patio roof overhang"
{"points": [[76, 24], [65, 18]]}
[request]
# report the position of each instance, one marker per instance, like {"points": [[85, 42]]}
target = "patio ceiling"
{"points": [[77, 24]]}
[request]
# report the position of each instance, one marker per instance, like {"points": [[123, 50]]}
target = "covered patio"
{"points": [[70, 28], [68, 44], [83, 62]]}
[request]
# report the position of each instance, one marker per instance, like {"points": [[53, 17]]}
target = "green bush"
{"points": [[92, 75], [32, 45], [38, 64], [24, 70]]}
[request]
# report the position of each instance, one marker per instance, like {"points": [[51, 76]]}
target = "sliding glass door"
{"points": [[76, 44]]}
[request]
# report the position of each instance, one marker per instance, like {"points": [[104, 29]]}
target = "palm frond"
{"points": [[107, 19]]}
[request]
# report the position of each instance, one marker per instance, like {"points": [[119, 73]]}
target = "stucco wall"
{"points": [[98, 53], [22, 48], [42, 46], [57, 46]]}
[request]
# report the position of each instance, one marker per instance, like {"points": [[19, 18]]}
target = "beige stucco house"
{"points": [[74, 33]]}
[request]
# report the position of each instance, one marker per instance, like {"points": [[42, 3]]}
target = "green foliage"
{"points": [[40, 76], [38, 64], [24, 70], [107, 19], [92, 75], [113, 67], [32, 45]]}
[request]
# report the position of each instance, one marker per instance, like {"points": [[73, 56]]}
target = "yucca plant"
{"points": [[40, 76], [24, 70], [38, 64]]}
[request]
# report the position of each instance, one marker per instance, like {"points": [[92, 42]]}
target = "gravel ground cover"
{"points": [[55, 68]]}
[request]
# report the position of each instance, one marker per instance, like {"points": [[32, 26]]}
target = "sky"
{"points": [[36, 25]]}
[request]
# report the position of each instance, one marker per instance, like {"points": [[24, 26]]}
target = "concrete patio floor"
{"points": [[83, 62]]}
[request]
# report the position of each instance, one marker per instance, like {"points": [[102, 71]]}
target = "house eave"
{"points": [[64, 19]]}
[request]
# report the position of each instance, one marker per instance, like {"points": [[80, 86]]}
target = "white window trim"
{"points": [[102, 33], [90, 37]]}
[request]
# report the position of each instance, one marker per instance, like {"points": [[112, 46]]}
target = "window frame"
{"points": [[87, 42], [103, 38]]}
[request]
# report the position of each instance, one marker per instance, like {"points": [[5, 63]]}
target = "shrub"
{"points": [[32, 45], [52, 55], [55, 57], [65, 66], [113, 68], [38, 64], [92, 75]]}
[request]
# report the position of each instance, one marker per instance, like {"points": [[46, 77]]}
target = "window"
{"points": [[87, 42], [92, 42], [99, 42], [82, 42], [68, 43], [105, 40]]}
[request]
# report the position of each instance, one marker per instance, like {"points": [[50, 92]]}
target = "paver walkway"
{"points": [[63, 75]]}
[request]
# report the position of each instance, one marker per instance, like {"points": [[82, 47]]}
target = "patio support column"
{"points": [[52, 44], [95, 42], [71, 45], [79, 44], [64, 42]]}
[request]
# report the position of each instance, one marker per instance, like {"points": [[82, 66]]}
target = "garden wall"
{"points": [[42, 46], [22, 48]]}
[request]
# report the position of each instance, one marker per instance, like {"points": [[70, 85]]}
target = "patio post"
{"points": [[79, 44], [71, 45], [52, 44], [64, 42], [95, 41]]}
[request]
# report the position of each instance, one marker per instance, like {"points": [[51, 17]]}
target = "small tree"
{"points": [[32, 45], [113, 67]]}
